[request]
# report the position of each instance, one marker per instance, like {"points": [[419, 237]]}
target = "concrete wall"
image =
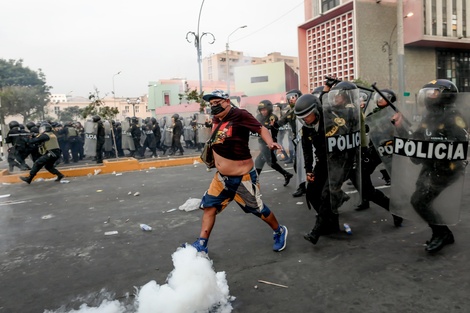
{"points": [[276, 79]]}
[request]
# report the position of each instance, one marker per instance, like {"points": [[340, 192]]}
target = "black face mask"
{"points": [[217, 109]]}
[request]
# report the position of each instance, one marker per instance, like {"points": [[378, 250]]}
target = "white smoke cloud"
{"points": [[192, 287]]}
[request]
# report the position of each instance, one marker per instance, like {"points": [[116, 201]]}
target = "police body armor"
{"points": [[381, 134], [52, 143], [343, 144], [127, 142], [108, 137], [429, 159], [91, 131]]}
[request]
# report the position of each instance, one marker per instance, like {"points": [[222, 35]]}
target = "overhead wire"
{"points": [[269, 24]]}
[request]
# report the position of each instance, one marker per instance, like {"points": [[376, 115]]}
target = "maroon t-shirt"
{"points": [[231, 141]]}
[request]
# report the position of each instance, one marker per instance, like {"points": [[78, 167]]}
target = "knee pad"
{"points": [[265, 212]]}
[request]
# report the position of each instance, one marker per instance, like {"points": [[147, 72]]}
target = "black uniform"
{"points": [[176, 139], [266, 154], [51, 153], [100, 139]]}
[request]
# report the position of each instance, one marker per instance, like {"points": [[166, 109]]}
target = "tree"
{"points": [[97, 107], [70, 114], [197, 97], [22, 91]]}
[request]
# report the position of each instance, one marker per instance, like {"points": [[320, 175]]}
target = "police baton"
{"points": [[390, 104]]}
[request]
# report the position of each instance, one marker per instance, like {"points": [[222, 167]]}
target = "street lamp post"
{"points": [[114, 94], [387, 47], [197, 44], [400, 53], [133, 103], [227, 58]]}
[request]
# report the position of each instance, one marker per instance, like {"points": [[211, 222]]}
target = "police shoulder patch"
{"points": [[460, 122]]}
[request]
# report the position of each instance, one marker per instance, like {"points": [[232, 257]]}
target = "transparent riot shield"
{"points": [[428, 166], [89, 146], [342, 121], [381, 133], [127, 142], [203, 132]]}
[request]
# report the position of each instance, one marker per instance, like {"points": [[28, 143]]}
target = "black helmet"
{"points": [[266, 104], [317, 91], [135, 120], [34, 129], [175, 116], [388, 93], [96, 118], [13, 124], [292, 96], [348, 91], [153, 120], [30, 125], [45, 127], [306, 105], [438, 93]]}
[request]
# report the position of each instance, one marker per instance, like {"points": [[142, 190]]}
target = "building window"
{"points": [[136, 109], [454, 65], [126, 108], [329, 4], [166, 98], [259, 79], [56, 110]]}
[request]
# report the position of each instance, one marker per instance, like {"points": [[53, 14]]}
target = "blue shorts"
{"points": [[243, 189]]}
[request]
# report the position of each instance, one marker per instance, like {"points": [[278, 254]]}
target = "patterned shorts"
{"points": [[243, 189]]}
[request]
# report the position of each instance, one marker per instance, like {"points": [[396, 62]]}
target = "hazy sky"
{"points": [[80, 44]]}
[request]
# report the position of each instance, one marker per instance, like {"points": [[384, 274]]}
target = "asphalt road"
{"points": [[54, 251]]}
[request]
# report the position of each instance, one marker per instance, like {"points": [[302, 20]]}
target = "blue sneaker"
{"points": [[280, 239], [201, 245]]}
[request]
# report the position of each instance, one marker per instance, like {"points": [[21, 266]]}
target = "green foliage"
{"points": [[360, 82], [70, 114], [22, 91], [97, 107], [193, 95]]}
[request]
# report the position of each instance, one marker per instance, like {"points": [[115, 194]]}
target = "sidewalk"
{"points": [[89, 167]]}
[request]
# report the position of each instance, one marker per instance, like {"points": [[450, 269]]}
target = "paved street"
{"points": [[54, 251]]}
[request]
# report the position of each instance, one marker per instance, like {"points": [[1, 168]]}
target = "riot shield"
{"points": [[381, 133], [127, 142], [203, 132], [342, 124], [108, 139], [89, 146], [168, 135], [428, 167]]}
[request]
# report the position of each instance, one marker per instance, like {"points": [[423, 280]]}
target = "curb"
{"points": [[108, 167]]}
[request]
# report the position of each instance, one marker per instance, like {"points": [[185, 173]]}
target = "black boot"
{"points": [[441, 236], [59, 177], [27, 179], [397, 221], [386, 177], [300, 191], [363, 206], [287, 178]]}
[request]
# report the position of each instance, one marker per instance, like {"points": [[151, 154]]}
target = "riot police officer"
{"points": [[268, 119], [100, 138], [289, 119], [50, 150], [18, 152], [442, 126], [177, 132]]}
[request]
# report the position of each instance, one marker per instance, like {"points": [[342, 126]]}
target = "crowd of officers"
{"points": [[341, 133], [101, 139], [329, 136]]}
